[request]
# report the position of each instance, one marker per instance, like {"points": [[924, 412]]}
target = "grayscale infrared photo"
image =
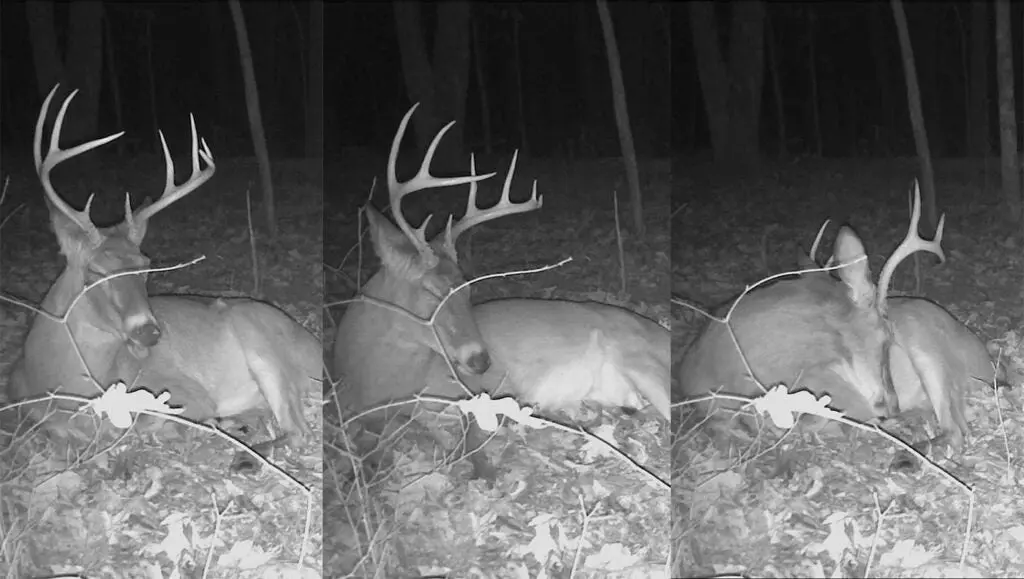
{"points": [[490, 289]]}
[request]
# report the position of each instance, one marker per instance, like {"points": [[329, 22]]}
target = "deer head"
{"points": [[417, 275], [118, 306]]}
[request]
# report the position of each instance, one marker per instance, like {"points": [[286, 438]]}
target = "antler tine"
{"points": [[171, 192], [475, 216], [55, 156], [911, 243], [817, 240], [423, 180]]}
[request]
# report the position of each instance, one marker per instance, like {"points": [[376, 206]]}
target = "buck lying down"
{"points": [[877, 356], [556, 355], [814, 331], [251, 356], [216, 360]]}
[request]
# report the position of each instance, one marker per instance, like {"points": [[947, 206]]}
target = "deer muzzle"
{"points": [[146, 335], [479, 363]]}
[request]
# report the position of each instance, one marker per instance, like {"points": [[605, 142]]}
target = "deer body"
{"points": [[813, 332], [934, 358], [806, 334], [391, 345], [557, 354], [216, 359]]}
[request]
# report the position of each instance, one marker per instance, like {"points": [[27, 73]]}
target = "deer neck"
{"points": [[48, 349]]}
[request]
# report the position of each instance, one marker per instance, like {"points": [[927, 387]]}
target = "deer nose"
{"points": [[479, 362], [147, 334]]}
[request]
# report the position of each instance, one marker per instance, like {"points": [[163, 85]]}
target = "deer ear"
{"points": [[393, 248], [855, 273], [73, 240]]}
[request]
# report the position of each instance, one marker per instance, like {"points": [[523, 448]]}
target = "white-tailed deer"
{"points": [[933, 357], [216, 359], [556, 354], [876, 356]]}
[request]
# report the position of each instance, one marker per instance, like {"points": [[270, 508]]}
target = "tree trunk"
{"points": [[916, 116], [252, 105], [82, 67], [732, 90], [439, 82], [264, 25], [315, 72], [1007, 115], [981, 38], [622, 118], [45, 54]]}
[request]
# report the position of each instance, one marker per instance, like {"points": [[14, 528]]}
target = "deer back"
{"points": [[556, 355], [244, 354]]}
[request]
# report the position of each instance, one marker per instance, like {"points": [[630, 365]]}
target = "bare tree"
{"points": [[731, 86], [916, 116], [437, 79], [622, 117], [252, 105], [1007, 115]]}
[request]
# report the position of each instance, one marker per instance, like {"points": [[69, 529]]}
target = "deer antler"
{"points": [[422, 180], [913, 242], [817, 240], [54, 156], [171, 192], [475, 216]]}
